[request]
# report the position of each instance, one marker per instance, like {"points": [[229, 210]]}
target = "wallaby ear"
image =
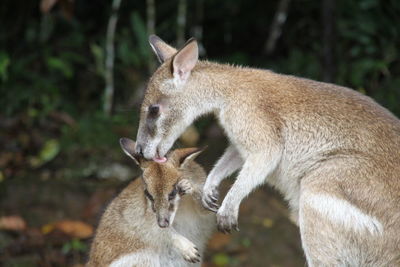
{"points": [[184, 155], [161, 48], [128, 146], [185, 60]]}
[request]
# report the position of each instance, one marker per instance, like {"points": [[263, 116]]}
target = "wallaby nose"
{"points": [[163, 222]]}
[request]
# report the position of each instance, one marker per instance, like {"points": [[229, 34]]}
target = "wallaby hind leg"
{"points": [[337, 232]]}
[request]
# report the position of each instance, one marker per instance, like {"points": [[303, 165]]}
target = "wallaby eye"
{"points": [[173, 193], [154, 110], [148, 195]]}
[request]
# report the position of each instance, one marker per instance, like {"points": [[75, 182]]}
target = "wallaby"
{"points": [[332, 152], [129, 235]]}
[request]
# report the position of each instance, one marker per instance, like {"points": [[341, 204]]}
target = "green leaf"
{"points": [[66, 248], [140, 32], [98, 54], [221, 259], [60, 65], [4, 64], [74, 245], [49, 151], [77, 245]]}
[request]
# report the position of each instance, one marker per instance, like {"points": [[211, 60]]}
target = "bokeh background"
{"points": [[72, 75]]}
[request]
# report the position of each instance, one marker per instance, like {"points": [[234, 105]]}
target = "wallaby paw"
{"points": [[192, 255], [189, 251], [210, 198], [227, 221], [185, 187]]}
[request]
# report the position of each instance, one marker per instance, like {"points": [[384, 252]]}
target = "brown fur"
{"points": [[129, 224], [306, 138]]}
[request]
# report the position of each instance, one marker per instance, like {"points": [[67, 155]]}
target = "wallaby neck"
{"points": [[215, 85]]}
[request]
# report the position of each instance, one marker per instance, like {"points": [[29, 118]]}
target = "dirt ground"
{"points": [[56, 209]]}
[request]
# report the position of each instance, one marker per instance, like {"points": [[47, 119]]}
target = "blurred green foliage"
{"points": [[54, 61], [138, 43], [74, 245]]}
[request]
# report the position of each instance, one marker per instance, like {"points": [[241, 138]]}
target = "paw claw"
{"points": [[226, 222], [209, 199], [211, 206], [189, 251]]}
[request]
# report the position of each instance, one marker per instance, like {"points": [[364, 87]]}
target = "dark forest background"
{"points": [[72, 75]]}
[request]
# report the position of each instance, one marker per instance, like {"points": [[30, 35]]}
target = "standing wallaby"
{"points": [[332, 152], [129, 235]]}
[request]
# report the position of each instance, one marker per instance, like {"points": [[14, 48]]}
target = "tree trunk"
{"points": [[328, 40], [197, 29], [109, 64], [151, 29], [276, 26], [181, 23]]}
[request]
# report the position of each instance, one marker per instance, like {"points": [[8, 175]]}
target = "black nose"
{"points": [[139, 150], [163, 223], [154, 110]]}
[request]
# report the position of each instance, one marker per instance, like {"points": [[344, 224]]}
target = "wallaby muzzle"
{"points": [[163, 219]]}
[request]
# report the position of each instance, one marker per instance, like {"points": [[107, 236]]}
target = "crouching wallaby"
{"points": [[144, 226], [332, 152]]}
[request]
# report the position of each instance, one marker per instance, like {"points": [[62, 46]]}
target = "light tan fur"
{"points": [[332, 152], [132, 230]]}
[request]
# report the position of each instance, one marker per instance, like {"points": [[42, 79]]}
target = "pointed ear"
{"points": [[161, 48], [184, 155], [185, 60], [128, 146]]}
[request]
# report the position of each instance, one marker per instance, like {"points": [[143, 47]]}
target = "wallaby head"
{"points": [[169, 106], [161, 180]]}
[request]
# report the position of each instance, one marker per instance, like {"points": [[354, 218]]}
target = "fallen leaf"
{"points": [[13, 223], [72, 228], [47, 228], [75, 228]]}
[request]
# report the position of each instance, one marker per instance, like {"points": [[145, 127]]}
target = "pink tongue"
{"points": [[160, 160]]}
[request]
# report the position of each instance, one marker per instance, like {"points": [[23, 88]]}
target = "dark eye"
{"points": [[147, 194], [173, 193], [154, 110]]}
